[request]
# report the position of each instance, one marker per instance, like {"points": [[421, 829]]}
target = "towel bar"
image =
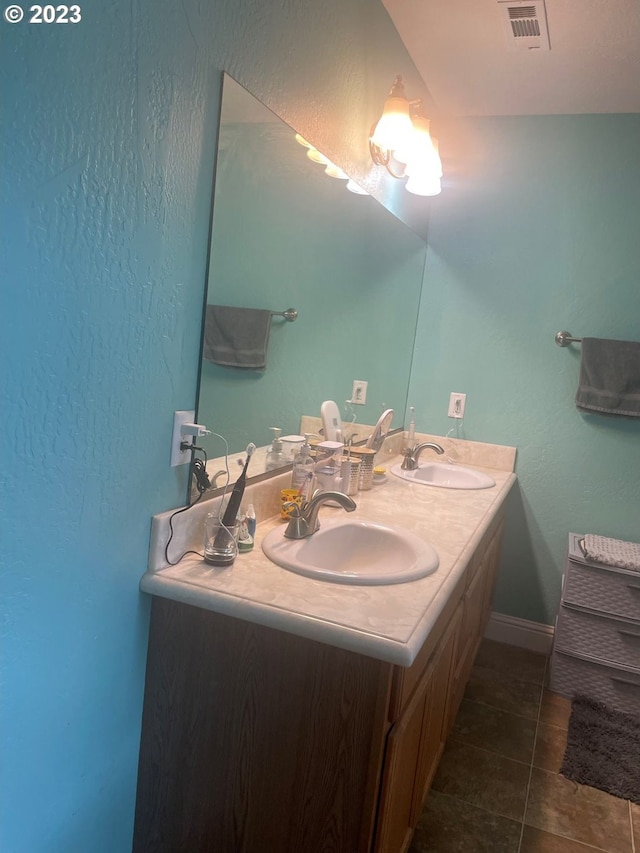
{"points": [[290, 314], [563, 339]]}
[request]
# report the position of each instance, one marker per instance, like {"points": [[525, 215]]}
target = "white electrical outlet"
{"points": [[359, 393], [179, 457], [456, 405]]}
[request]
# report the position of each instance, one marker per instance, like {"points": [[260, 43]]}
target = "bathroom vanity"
{"points": [[289, 715]]}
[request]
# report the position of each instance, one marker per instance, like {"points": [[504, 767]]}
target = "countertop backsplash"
{"points": [[188, 526]]}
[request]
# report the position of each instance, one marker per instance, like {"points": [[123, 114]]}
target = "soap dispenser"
{"points": [[303, 468], [275, 453]]}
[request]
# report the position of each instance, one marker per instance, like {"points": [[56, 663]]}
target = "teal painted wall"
{"points": [[536, 232], [108, 140]]}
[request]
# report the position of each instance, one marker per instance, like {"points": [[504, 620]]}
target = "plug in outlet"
{"points": [[179, 457], [359, 393], [456, 405]]}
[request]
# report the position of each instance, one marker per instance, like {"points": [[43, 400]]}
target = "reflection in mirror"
{"points": [[285, 235]]}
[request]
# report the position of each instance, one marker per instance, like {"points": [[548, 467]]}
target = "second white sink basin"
{"points": [[354, 552], [445, 476]]}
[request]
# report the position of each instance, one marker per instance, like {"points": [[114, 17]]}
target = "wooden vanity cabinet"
{"points": [[258, 741]]}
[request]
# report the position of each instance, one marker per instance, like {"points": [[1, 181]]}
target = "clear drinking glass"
{"points": [[220, 541]]}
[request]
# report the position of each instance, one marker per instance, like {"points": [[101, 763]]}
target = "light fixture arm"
{"points": [[381, 157]]}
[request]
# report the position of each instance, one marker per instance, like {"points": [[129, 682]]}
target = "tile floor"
{"points": [[498, 789]]}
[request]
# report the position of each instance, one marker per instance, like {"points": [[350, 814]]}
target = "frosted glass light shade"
{"points": [[415, 142], [421, 156], [317, 157], [355, 188], [426, 186], [428, 164], [334, 171], [394, 125]]}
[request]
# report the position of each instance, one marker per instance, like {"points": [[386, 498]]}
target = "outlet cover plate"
{"points": [[457, 403], [180, 457], [359, 394]]}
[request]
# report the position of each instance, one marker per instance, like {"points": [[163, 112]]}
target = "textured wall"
{"points": [[108, 145], [539, 234]]}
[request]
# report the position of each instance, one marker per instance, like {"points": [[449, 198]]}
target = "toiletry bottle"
{"points": [[303, 465], [411, 439], [251, 521], [329, 467], [275, 455], [306, 490], [245, 534]]}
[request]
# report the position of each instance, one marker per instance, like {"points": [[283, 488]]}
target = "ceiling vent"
{"points": [[525, 24]]}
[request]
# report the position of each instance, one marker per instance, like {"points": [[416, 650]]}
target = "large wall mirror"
{"points": [[286, 235]]}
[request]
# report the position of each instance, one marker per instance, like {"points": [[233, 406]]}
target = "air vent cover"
{"points": [[525, 24]]}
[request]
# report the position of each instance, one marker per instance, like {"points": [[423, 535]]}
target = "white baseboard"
{"points": [[520, 632]]}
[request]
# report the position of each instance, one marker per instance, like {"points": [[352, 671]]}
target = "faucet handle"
{"points": [[408, 462], [298, 526], [296, 511]]}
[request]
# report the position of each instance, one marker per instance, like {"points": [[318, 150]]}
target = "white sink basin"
{"points": [[445, 476], [353, 552]]}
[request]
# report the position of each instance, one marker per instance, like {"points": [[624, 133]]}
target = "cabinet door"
{"points": [[414, 747], [469, 639], [436, 708], [476, 610], [395, 813], [256, 741]]}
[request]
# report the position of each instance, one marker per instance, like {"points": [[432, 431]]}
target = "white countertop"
{"points": [[386, 622]]}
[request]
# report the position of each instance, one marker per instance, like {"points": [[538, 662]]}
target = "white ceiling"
{"points": [[462, 53]]}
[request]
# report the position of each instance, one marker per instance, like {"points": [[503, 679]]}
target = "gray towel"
{"points": [[609, 377], [237, 337]]}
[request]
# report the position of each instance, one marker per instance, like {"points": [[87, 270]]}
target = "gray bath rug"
{"points": [[603, 749]]}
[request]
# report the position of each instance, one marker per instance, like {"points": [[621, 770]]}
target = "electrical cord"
{"points": [[198, 470]]}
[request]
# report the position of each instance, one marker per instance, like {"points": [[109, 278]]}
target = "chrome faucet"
{"points": [[412, 454], [304, 519]]}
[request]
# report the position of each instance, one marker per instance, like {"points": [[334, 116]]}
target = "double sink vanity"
{"points": [[304, 707]]}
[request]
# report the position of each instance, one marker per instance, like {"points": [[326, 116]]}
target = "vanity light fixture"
{"points": [[401, 142]]}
